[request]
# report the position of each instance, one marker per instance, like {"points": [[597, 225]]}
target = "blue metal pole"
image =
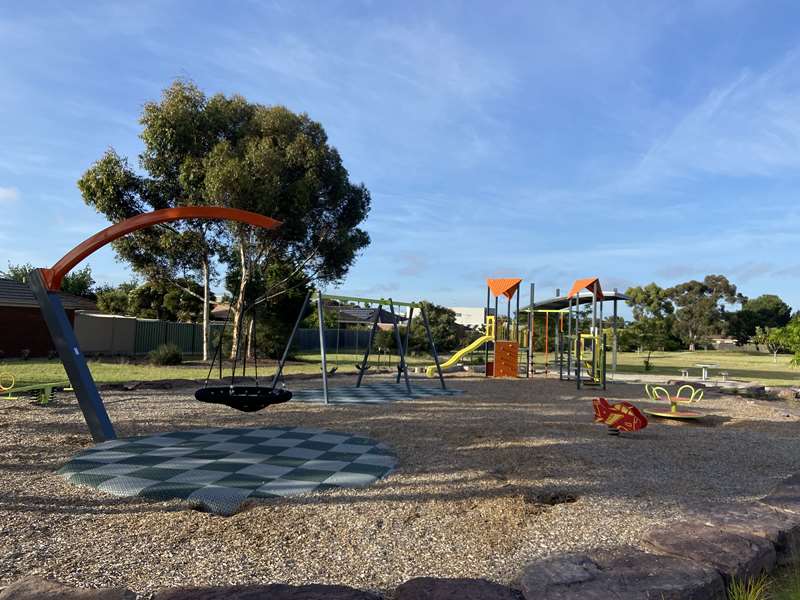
{"points": [[63, 336]]}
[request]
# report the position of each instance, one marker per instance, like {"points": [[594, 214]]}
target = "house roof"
{"points": [[14, 293]]}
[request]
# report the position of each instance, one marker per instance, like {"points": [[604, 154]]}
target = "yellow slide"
{"points": [[454, 359]]}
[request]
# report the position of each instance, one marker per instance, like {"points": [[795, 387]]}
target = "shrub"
{"points": [[750, 589], [165, 355]]}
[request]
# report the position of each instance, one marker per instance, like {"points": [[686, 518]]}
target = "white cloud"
{"points": [[749, 127], [8, 194]]}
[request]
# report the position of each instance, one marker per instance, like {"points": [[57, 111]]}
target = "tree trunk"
{"points": [[206, 308], [251, 332], [238, 305]]}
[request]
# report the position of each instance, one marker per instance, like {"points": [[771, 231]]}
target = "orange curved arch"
{"points": [[55, 274]]}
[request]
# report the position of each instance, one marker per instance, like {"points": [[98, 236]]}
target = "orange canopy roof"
{"points": [[589, 283], [505, 286]]}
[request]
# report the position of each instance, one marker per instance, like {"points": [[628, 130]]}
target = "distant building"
{"points": [[22, 327], [469, 316]]}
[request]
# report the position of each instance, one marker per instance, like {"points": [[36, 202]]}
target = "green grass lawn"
{"points": [[36, 371], [741, 366]]}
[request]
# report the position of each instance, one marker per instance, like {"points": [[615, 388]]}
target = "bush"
{"points": [[166, 355]]}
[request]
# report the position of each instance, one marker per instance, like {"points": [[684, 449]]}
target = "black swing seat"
{"points": [[246, 398]]}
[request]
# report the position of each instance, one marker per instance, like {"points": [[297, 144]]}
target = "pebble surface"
{"points": [[466, 501]]}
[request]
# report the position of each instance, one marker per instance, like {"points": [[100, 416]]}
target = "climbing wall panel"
{"points": [[506, 357]]}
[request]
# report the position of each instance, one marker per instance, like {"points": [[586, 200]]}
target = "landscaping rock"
{"points": [[733, 555], [31, 588], [431, 588], [782, 529], [786, 495], [626, 574], [266, 592], [782, 393]]}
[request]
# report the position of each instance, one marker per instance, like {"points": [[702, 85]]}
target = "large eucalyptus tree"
{"points": [[226, 151]]}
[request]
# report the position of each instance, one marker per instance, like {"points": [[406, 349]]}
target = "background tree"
{"points": [[153, 300], [78, 282], [650, 301], [226, 151], [115, 300], [447, 334], [775, 339], [654, 321], [767, 311], [177, 133], [648, 334], [700, 313], [285, 168]]}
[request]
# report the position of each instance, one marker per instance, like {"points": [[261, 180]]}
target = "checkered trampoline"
{"points": [[220, 468], [381, 392]]}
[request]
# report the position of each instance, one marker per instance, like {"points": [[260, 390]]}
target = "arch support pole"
{"points": [[72, 358]]}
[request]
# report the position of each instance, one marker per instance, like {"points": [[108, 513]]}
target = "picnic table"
{"points": [[705, 367]]}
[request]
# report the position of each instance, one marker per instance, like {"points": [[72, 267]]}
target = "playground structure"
{"points": [[488, 337], [580, 352], [658, 393], [45, 284], [319, 298], [621, 416], [503, 335], [506, 345], [44, 392]]}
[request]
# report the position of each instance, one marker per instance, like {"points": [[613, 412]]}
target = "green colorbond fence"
{"points": [[151, 333]]}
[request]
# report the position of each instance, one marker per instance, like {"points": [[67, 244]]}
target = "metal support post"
{"points": [[63, 336], [368, 349], [603, 350], [432, 345], [614, 340], [321, 318], [286, 350], [530, 333], [578, 351], [486, 346], [402, 365], [570, 341], [408, 330]]}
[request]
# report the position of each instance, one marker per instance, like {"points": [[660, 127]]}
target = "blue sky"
{"points": [[633, 141]]}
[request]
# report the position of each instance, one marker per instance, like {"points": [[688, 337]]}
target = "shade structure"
{"points": [[589, 283], [506, 286]]}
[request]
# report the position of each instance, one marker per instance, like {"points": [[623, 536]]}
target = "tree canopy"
{"points": [[699, 310], [78, 282], [227, 151]]}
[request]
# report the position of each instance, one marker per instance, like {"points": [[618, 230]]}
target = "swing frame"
{"points": [[45, 284], [246, 398], [402, 368]]}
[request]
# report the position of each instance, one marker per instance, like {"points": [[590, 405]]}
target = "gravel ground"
{"points": [[469, 498]]}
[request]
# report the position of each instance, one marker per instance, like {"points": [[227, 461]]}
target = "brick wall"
{"points": [[21, 328]]}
